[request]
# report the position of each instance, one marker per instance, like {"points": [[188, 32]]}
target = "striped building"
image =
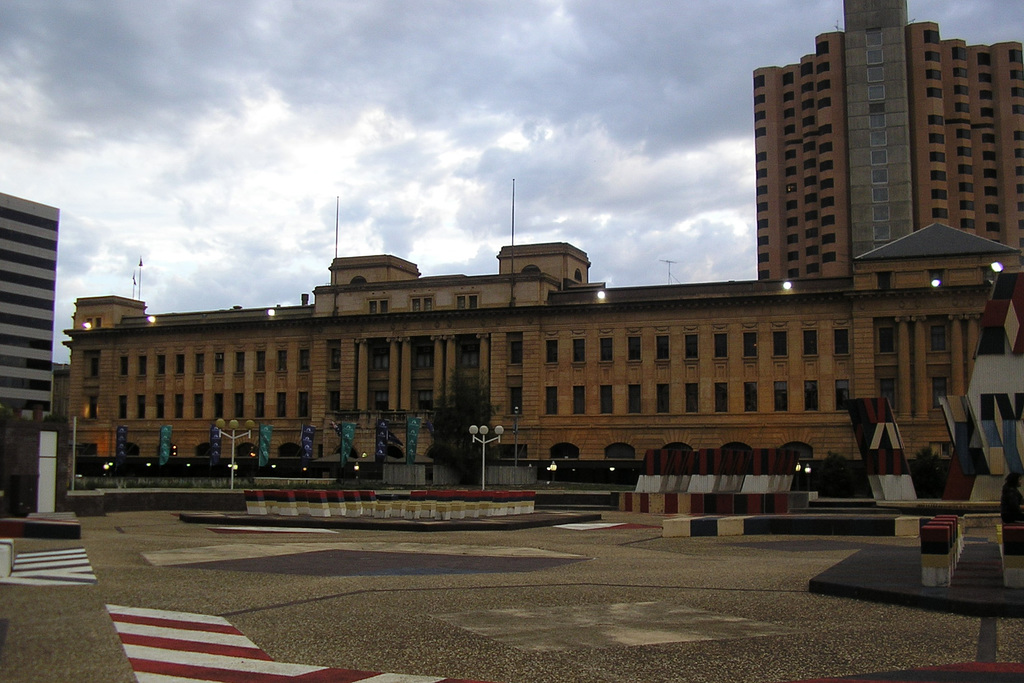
{"points": [[28, 273]]}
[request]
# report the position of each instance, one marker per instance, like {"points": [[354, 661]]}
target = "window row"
{"points": [[162, 408], [142, 365]]}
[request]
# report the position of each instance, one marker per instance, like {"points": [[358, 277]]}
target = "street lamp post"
{"points": [[483, 441], [515, 435], [234, 435]]}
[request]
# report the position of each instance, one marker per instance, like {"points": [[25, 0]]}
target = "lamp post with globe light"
{"points": [[234, 434], [483, 441]]}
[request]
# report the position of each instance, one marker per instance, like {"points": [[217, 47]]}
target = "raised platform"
{"points": [[507, 523], [61, 525]]}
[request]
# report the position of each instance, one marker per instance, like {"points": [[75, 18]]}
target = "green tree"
{"points": [[928, 471], [836, 477], [467, 402]]}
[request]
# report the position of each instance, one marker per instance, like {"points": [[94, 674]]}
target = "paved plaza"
{"points": [[163, 600]]}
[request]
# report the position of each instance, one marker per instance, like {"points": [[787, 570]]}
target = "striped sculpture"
{"points": [[881, 446]]}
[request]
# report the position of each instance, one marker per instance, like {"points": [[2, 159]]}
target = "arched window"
{"points": [[289, 450], [677, 446], [531, 269], [620, 451], [565, 450], [579, 275], [358, 280], [737, 446], [806, 451]]}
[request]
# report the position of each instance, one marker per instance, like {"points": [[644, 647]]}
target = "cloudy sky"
{"points": [[219, 140]]}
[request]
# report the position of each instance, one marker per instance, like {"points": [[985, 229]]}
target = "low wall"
{"points": [[97, 503]]}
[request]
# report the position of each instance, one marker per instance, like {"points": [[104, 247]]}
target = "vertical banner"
{"points": [[121, 447], [346, 431], [412, 436], [165, 444], [263, 448], [381, 451], [306, 442], [214, 445]]}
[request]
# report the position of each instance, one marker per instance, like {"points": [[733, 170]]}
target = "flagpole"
{"points": [[512, 293], [140, 278], [337, 213]]}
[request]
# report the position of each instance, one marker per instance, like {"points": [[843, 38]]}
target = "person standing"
{"points": [[1011, 499]]}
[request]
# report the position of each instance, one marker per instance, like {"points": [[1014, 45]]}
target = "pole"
{"points": [[74, 449], [483, 463]]}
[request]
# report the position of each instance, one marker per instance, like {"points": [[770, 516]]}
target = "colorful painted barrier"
{"points": [[705, 503], [426, 505], [941, 547], [717, 470]]}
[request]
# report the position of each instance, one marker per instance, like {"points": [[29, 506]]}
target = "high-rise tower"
{"points": [[885, 129]]}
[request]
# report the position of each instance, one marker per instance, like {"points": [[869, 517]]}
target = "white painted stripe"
{"points": [[34, 581], [583, 526], [185, 635], [164, 614], [275, 529], [49, 564], [257, 666], [143, 677], [56, 553], [400, 678]]}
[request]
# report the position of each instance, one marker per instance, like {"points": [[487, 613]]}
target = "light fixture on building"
{"points": [[483, 441], [151, 318], [271, 312], [996, 267], [787, 285], [601, 295]]}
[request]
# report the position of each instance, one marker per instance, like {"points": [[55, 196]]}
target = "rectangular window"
{"points": [[606, 399], [551, 351], [886, 340], [606, 348], [750, 344], [380, 358], [469, 355], [282, 404], [633, 348], [938, 334], [261, 361], [551, 400], [179, 406], [161, 364], [381, 400], [841, 341], [303, 360], [842, 393], [780, 343], [197, 406], [122, 407], [633, 393], [140, 407], [662, 398], [515, 352], [781, 396], [425, 355], [579, 400], [579, 350], [282, 360], [179, 364], [661, 347], [691, 346], [692, 397], [333, 402], [938, 391], [218, 405], [750, 397], [721, 397], [810, 342], [239, 361], [142, 366], [218, 363], [515, 399], [721, 345], [425, 397], [303, 404], [811, 394], [200, 363], [260, 405], [239, 405], [887, 390]]}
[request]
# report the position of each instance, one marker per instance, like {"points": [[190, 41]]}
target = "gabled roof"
{"points": [[936, 240]]}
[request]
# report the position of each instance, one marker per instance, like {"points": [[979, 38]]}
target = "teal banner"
{"points": [[412, 436], [165, 444], [263, 449], [348, 437]]}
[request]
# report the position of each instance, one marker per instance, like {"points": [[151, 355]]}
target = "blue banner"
{"points": [[214, 445], [306, 442], [121, 447], [381, 451]]}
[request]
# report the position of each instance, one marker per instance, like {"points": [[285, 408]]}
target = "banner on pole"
{"points": [[165, 444]]}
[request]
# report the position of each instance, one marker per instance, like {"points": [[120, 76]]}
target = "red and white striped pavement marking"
{"points": [[68, 567], [178, 647]]}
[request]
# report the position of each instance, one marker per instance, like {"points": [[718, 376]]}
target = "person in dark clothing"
{"points": [[1010, 501]]}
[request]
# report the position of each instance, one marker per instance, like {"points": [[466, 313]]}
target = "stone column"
{"points": [[449, 355], [923, 393], [405, 392], [904, 390], [438, 367], [956, 356], [393, 368], [362, 374]]}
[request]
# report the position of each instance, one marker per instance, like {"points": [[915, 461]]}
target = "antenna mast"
{"points": [[669, 268]]}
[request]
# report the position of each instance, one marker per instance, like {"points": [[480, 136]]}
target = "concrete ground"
{"points": [[536, 605]]}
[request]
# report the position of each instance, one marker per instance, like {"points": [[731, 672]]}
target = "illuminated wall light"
{"points": [[787, 285], [151, 318], [271, 312], [936, 282], [87, 325], [996, 267], [601, 295]]}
